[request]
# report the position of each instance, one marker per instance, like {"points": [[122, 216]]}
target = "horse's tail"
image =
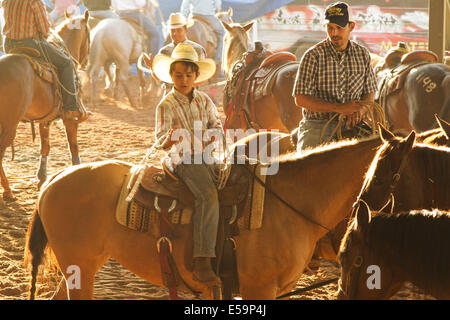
{"points": [[445, 110], [36, 242]]}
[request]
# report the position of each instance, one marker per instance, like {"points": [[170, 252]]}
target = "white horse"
{"points": [[115, 41]]}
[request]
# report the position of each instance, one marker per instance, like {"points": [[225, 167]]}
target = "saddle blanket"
{"points": [[134, 215]]}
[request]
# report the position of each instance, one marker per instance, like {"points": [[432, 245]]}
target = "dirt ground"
{"points": [[115, 131]]}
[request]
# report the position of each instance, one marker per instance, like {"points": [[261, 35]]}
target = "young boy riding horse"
{"points": [[186, 108]]}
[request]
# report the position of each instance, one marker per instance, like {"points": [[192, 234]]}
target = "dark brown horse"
{"points": [[417, 175], [25, 96], [412, 96], [423, 175], [379, 254], [274, 110]]}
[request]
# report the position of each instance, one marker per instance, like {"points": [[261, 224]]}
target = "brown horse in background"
{"points": [[377, 193], [414, 95], [417, 175], [27, 97], [392, 249], [317, 188], [276, 110]]}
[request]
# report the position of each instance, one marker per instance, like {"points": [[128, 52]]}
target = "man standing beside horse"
{"points": [[333, 77], [27, 25]]}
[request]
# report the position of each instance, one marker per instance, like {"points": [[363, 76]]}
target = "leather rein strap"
{"points": [[287, 204]]}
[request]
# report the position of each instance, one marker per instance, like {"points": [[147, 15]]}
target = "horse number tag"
{"points": [[426, 82]]}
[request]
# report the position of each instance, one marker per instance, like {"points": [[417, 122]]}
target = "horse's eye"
{"points": [[377, 181]]}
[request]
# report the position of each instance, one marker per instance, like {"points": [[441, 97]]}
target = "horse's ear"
{"points": [[230, 11], [66, 14], [445, 126], [248, 26], [225, 25], [410, 141], [86, 15], [385, 134], [362, 215]]}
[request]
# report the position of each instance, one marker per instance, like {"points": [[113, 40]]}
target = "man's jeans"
{"points": [[310, 131], [154, 33], [215, 23], [66, 71], [206, 212]]}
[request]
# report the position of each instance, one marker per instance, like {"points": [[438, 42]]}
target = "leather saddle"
{"points": [[392, 79], [254, 80], [45, 70], [157, 182]]}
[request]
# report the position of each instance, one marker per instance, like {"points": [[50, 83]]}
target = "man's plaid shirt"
{"points": [[25, 19], [336, 77]]}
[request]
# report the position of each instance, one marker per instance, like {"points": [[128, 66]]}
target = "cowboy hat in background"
{"points": [[178, 20], [183, 52]]}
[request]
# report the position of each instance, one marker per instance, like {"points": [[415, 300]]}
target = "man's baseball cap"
{"points": [[338, 13]]}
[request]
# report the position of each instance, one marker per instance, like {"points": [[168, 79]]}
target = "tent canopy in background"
{"points": [[243, 10]]}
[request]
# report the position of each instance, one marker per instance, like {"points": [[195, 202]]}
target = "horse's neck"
{"points": [[71, 41], [330, 180], [428, 176]]}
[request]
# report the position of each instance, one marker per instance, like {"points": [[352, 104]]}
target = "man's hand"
{"points": [[356, 117]]}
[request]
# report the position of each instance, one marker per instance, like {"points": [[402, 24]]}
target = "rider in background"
{"points": [[134, 9], [60, 8], [206, 10], [100, 9], [27, 25]]}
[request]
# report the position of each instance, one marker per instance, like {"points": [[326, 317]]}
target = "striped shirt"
{"points": [[175, 111], [334, 76], [25, 19]]}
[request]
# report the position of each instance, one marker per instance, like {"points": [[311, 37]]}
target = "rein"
{"points": [[311, 287], [287, 204]]}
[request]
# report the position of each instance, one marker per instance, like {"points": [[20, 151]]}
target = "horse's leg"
{"points": [[7, 192], [72, 138], [44, 132], [141, 87]]}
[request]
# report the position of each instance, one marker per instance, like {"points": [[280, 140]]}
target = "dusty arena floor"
{"points": [[115, 131]]}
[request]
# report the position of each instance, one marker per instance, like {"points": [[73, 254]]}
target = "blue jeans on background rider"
{"points": [[215, 23], [155, 35], [63, 64], [198, 179]]}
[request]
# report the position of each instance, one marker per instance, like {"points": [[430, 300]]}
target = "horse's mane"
{"points": [[325, 148], [416, 242]]}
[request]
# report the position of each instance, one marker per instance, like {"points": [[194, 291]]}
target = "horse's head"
{"points": [[357, 262], [386, 168], [75, 33], [236, 43]]}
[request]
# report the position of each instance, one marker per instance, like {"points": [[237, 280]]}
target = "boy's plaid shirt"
{"points": [[25, 19], [336, 77]]}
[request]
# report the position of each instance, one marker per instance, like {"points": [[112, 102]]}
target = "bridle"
{"points": [[351, 278]]}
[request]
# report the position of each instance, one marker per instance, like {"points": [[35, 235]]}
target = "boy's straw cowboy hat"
{"points": [[183, 52]]}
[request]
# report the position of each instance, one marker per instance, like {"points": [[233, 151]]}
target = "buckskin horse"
{"points": [[412, 88], [258, 93], [408, 246], [307, 197], [27, 97]]}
